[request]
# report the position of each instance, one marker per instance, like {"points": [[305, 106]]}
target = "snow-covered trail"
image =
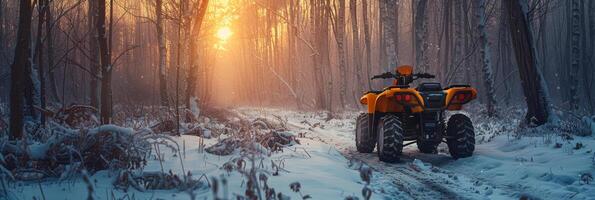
{"points": [[409, 179], [502, 169]]}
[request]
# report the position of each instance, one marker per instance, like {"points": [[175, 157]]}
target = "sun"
{"points": [[224, 33]]}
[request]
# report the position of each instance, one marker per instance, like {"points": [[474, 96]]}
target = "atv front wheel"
{"points": [[365, 140], [390, 139], [460, 136]]}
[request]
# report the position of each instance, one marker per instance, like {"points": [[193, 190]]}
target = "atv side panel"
{"points": [[452, 103]]}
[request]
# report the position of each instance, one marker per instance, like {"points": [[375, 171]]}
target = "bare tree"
{"points": [[388, 26], [576, 53], [105, 63], [357, 60], [193, 68], [18, 69], [538, 111], [93, 54], [162, 52], [321, 60], [488, 76], [421, 34], [367, 41], [339, 31]]}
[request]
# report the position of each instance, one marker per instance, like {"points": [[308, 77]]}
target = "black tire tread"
{"points": [[392, 139], [461, 136], [367, 143]]}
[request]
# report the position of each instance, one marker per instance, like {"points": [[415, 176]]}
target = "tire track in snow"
{"points": [[416, 184]]}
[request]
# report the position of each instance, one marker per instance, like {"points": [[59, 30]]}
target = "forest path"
{"points": [[416, 176]]}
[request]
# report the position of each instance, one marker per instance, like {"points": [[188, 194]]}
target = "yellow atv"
{"points": [[400, 113]]}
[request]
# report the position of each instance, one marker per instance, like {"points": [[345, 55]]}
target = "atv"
{"points": [[400, 113]]}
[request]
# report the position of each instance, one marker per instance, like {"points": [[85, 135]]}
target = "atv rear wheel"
{"points": [[460, 136], [365, 140], [390, 138]]}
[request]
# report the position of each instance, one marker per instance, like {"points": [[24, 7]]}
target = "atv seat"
{"points": [[429, 87], [374, 92], [453, 86]]}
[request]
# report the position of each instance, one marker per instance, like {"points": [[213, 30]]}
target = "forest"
{"points": [[139, 99]]}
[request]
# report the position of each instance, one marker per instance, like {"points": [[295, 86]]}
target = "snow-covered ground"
{"points": [[321, 170], [505, 165]]}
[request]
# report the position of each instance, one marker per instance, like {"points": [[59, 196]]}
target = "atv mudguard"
{"points": [[452, 92], [385, 102]]}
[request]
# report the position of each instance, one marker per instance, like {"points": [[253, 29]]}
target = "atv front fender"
{"points": [[370, 100]]}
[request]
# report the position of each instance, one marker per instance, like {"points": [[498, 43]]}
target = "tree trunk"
{"points": [[105, 63], [538, 112], [388, 18], [488, 76], [94, 54], [367, 42], [18, 70], [50, 55], [575, 63], [420, 30], [194, 57], [340, 38], [325, 54], [162, 53], [44, 6], [320, 36], [446, 61], [592, 53], [357, 61], [458, 43]]}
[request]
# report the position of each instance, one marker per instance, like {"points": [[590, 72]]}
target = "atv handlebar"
{"points": [[385, 75], [388, 75]]}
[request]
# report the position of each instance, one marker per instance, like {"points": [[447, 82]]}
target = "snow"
{"points": [[421, 165], [320, 170], [531, 166], [508, 164], [111, 128]]}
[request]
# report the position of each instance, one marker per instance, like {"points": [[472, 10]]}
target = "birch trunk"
{"points": [[488, 76], [162, 53]]}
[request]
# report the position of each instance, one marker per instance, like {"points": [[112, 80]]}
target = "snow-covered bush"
{"points": [[67, 151], [77, 116]]}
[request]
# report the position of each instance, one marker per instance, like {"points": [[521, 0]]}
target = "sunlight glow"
{"points": [[224, 33]]}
